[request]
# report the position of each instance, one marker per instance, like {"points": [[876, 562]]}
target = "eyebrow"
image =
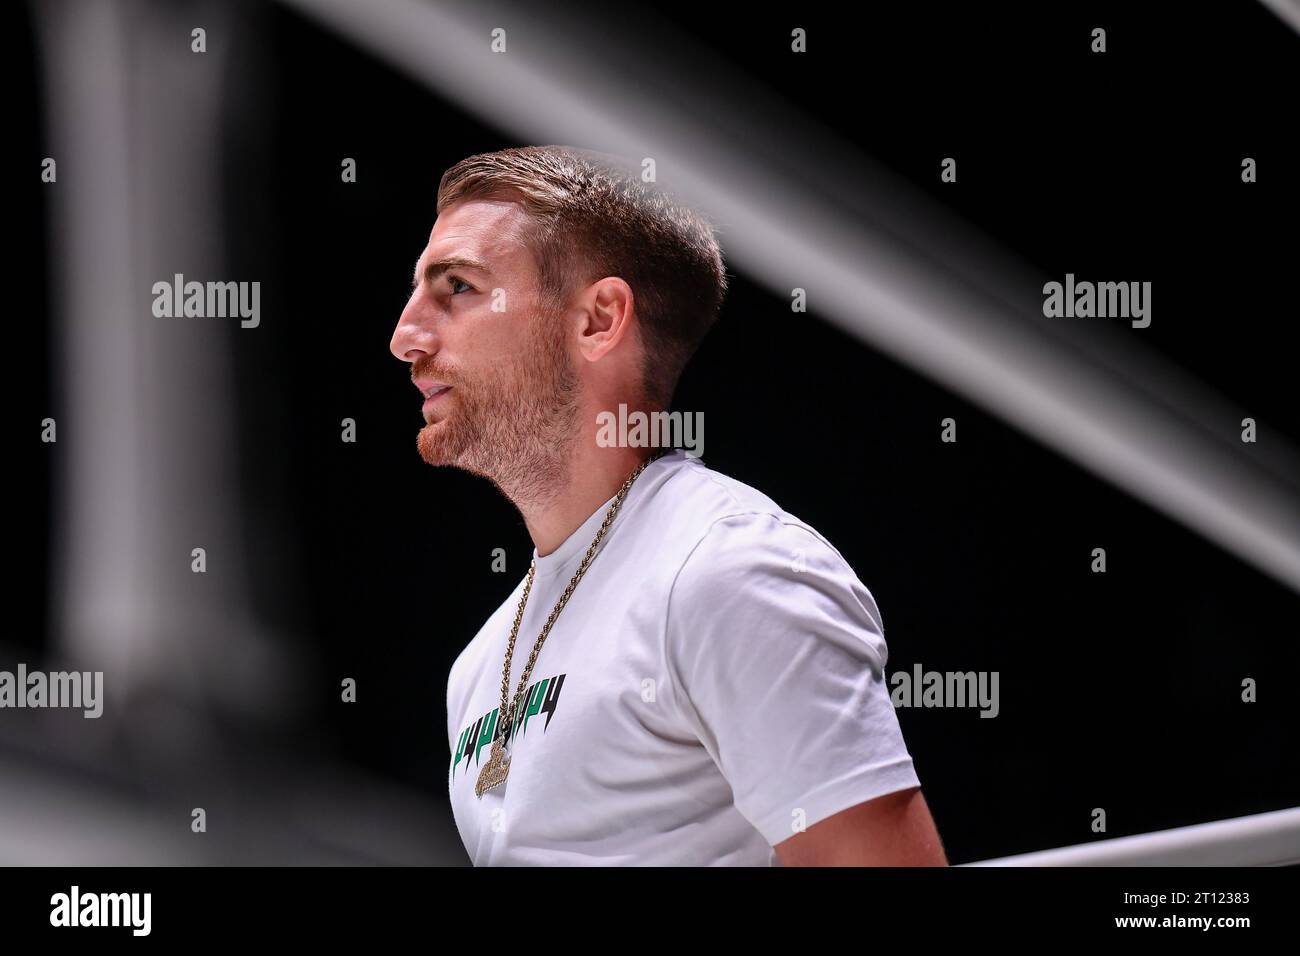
{"points": [[434, 269]]}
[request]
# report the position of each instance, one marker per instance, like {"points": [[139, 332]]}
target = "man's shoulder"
{"points": [[725, 525], [758, 579]]}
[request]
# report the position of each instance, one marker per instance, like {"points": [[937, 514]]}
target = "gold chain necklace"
{"points": [[498, 763]]}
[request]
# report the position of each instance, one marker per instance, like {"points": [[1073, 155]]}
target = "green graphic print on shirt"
{"points": [[541, 697]]}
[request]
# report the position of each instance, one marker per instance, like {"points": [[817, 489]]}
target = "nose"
{"points": [[415, 335]]}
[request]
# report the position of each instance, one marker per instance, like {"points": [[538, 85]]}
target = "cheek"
{"points": [[470, 340], [499, 338]]}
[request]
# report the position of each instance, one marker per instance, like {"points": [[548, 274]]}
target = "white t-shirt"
{"points": [[716, 679]]}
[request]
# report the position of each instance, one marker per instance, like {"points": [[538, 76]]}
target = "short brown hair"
{"points": [[593, 216]]}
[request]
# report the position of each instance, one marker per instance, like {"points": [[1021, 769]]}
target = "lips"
{"points": [[432, 389], [433, 393], [429, 386]]}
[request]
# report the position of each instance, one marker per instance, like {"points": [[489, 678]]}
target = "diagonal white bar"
{"points": [[1286, 10]]}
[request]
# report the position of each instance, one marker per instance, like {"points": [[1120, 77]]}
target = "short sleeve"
{"points": [[779, 654]]}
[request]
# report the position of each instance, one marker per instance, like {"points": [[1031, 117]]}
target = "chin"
{"points": [[434, 446]]}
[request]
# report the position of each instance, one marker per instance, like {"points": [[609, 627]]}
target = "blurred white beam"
{"points": [[1287, 11], [145, 455]]}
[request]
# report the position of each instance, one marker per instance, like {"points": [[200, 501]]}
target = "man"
{"points": [[695, 676]]}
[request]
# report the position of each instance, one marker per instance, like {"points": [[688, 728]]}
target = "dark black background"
{"points": [[1118, 690]]}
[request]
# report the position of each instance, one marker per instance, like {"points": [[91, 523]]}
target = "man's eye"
{"points": [[453, 280]]}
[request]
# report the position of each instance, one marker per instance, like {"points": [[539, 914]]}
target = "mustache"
{"points": [[429, 368]]}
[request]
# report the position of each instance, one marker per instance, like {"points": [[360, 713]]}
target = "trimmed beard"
{"points": [[515, 422]]}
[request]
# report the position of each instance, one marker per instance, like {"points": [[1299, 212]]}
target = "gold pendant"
{"points": [[494, 771]]}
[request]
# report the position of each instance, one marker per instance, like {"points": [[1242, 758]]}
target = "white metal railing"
{"points": [[1262, 839]]}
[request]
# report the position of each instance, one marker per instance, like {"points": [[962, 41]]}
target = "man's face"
{"points": [[498, 386]]}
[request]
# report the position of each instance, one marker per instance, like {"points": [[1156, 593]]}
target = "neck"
{"points": [[594, 476]]}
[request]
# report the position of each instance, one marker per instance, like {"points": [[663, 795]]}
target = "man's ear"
{"points": [[607, 316]]}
